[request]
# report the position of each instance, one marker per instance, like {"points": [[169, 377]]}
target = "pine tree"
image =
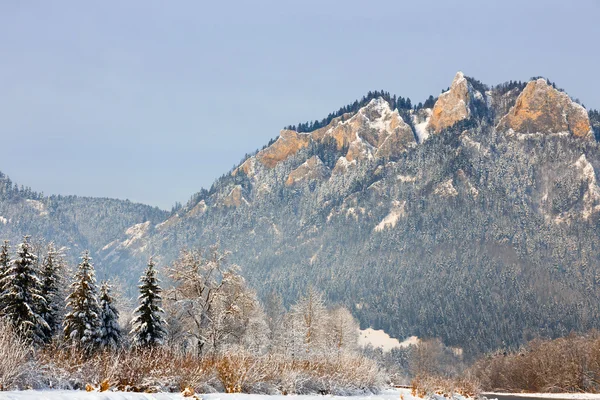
{"points": [[4, 262], [50, 276], [22, 296], [148, 324], [110, 331], [82, 323]]}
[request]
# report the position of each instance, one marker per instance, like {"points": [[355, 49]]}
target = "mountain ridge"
{"points": [[412, 217]]}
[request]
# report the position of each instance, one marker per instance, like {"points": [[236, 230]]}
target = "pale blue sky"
{"points": [[152, 100]]}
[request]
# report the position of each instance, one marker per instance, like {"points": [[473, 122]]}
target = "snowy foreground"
{"points": [[393, 394], [72, 395]]}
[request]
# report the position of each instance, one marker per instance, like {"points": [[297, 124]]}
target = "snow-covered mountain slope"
{"points": [[473, 218]]}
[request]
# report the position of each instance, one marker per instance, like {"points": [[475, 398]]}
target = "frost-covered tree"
{"points": [[82, 322], [310, 318], [342, 330], [214, 305], [110, 331], [148, 325], [22, 296], [50, 275]]}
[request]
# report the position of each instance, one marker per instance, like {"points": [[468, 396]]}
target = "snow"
{"points": [[390, 394], [406, 178], [3, 220], [574, 396], [421, 126], [136, 233], [390, 220], [38, 206], [380, 339]]}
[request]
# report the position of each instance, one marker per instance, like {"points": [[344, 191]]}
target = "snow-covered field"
{"points": [[392, 394], [72, 395]]}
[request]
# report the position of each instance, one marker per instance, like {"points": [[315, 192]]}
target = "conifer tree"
{"points": [[148, 324], [22, 296], [110, 332], [82, 322], [4, 262], [50, 276], [4, 258]]}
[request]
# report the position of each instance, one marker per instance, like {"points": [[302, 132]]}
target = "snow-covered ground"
{"points": [[574, 396], [73, 395], [392, 394]]}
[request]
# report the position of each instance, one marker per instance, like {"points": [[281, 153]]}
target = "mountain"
{"points": [[74, 222], [473, 217]]}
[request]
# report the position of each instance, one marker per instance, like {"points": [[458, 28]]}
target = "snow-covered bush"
{"points": [[18, 368]]}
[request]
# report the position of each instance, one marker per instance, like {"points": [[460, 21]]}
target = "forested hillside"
{"points": [[472, 217], [75, 222]]}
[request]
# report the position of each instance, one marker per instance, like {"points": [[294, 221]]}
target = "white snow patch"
{"points": [[38, 206], [421, 125], [135, 233], [378, 338], [3, 220], [396, 212], [406, 178]]}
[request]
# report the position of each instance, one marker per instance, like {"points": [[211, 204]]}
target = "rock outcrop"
{"points": [[452, 106], [234, 198], [540, 108], [311, 169], [288, 143]]}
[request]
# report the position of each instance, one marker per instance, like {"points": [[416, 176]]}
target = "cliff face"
{"points": [[452, 106], [540, 108], [288, 143]]}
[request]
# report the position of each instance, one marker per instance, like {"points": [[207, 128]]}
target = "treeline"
{"points": [[206, 331], [394, 101]]}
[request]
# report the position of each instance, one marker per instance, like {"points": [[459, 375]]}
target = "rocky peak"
{"points": [[452, 106], [540, 108], [288, 143], [375, 130]]}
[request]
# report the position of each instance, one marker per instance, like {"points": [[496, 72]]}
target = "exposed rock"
{"points": [[446, 189], [247, 167], [396, 212], [541, 108], [234, 198], [375, 130], [591, 194], [288, 143], [311, 169], [452, 106], [198, 210]]}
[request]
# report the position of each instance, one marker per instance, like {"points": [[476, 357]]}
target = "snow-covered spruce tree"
{"points": [[4, 258], [22, 295], [82, 322], [50, 276], [110, 331], [4, 262], [148, 325]]}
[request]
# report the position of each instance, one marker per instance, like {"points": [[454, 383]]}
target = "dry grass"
{"points": [[570, 364], [233, 372]]}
